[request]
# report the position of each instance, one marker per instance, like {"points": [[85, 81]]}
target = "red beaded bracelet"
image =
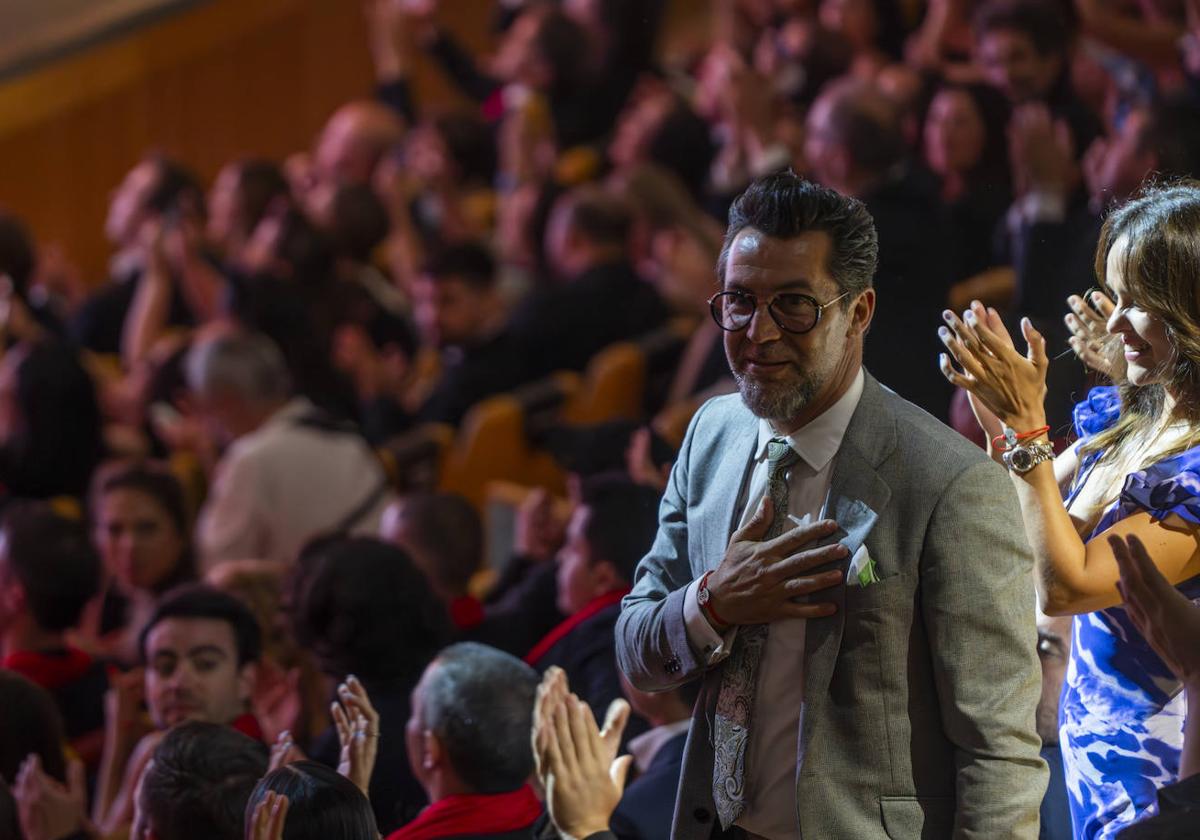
{"points": [[999, 439]]}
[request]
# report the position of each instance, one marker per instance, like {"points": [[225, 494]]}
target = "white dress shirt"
{"points": [[645, 747], [772, 752]]}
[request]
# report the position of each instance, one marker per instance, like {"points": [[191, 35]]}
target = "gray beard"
{"points": [[780, 403]]}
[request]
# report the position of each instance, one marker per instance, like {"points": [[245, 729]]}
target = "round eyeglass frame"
{"points": [[714, 308]]}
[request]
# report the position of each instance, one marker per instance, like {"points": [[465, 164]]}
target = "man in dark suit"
{"points": [[648, 804], [606, 537], [459, 310], [598, 299]]}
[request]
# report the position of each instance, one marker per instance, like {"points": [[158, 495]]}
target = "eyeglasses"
{"points": [[791, 311]]}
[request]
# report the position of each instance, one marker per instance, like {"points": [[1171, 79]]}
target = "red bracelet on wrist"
{"points": [[999, 439], [704, 599]]}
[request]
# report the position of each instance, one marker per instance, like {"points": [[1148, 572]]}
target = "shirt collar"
{"points": [[644, 747], [819, 440]]}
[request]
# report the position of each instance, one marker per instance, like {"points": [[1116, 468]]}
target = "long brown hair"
{"points": [[1161, 270]]}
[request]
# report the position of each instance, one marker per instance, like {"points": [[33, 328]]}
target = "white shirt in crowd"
{"points": [[284, 483]]}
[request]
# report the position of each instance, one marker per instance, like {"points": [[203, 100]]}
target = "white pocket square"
{"points": [[861, 571]]}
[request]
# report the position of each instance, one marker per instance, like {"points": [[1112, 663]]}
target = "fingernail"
{"points": [[947, 315], [969, 317], [943, 332]]}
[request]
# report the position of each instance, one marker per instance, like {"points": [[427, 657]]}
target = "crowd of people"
{"points": [[224, 614]]}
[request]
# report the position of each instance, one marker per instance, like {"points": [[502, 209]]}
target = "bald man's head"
{"points": [[354, 140]]}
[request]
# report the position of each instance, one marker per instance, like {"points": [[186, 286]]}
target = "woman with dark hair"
{"points": [[321, 804], [1134, 475], [142, 529], [362, 607], [965, 147], [50, 425]]}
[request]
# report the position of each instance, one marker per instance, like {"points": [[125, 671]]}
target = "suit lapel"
{"points": [[734, 471], [857, 496]]}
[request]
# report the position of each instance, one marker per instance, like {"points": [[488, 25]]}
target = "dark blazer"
{"points": [[563, 327], [646, 808], [471, 374], [911, 283], [920, 691], [588, 656]]}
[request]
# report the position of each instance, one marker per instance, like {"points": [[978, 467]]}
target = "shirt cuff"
{"points": [[711, 646]]}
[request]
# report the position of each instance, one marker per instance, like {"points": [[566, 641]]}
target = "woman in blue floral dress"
{"points": [[1133, 475]]}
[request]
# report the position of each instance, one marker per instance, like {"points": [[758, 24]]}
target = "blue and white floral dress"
{"points": [[1122, 711]]}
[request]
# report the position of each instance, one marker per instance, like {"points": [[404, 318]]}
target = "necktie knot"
{"points": [[780, 456]]}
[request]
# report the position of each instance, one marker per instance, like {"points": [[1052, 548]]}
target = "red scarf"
{"points": [[454, 816], [51, 669], [556, 635], [466, 612]]}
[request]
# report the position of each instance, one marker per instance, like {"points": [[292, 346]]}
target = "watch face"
{"points": [[1022, 459]]}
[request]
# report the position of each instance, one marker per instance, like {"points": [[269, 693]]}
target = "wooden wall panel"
{"points": [[224, 79]]}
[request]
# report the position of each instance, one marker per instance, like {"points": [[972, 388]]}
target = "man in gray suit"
{"points": [[849, 577]]}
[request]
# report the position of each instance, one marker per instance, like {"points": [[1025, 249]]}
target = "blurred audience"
{"points": [[363, 608], [607, 536], [141, 528], [48, 573], [286, 460]]}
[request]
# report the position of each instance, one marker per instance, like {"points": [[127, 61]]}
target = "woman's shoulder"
{"points": [[1166, 487]]}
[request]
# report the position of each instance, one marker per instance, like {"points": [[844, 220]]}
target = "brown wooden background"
{"points": [[223, 79]]}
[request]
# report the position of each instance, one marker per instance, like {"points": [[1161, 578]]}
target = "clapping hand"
{"points": [[1009, 385], [1088, 333], [576, 762], [357, 725], [48, 810], [1169, 622], [269, 817]]}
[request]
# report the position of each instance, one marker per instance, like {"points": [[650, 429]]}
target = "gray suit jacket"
{"points": [[920, 691]]}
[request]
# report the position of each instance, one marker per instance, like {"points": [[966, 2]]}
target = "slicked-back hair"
{"points": [[784, 205], [478, 701], [53, 558], [199, 600], [199, 781], [322, 803]]}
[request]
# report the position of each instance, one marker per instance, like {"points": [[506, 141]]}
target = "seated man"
{"points": [[647, 806], [289, 472], [443, 535], [201, 649], [606, 538], [600, 298], [48, 573], [469, 746], [459, 310], [197, 784]]}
